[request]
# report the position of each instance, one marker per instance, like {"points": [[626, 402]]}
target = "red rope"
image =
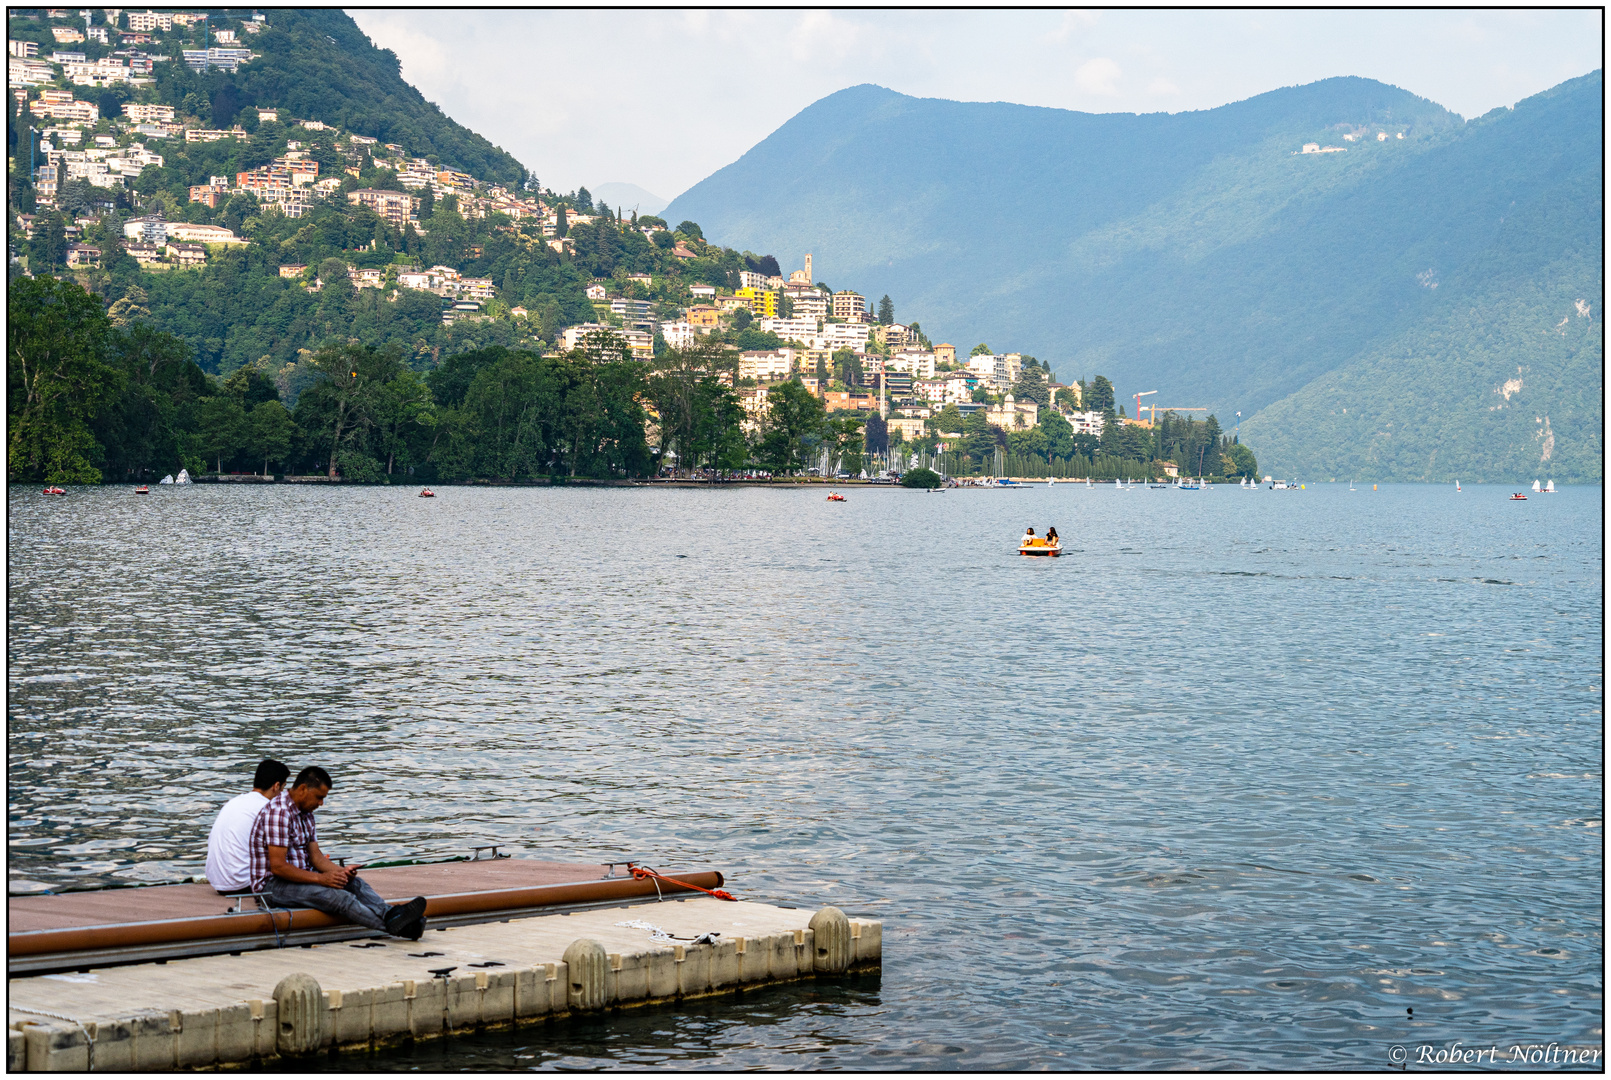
{"points": [[642, 872]]}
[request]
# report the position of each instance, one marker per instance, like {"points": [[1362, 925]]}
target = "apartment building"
{"points": [[634, 314], [398, 208], [766, 366], [147, 21], [763, 304], [679, 333], [793, 329], [59, 105], [849, 305], [146, 114]]}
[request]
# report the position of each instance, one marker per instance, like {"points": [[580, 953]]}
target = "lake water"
{"points": [[1236, 783]]}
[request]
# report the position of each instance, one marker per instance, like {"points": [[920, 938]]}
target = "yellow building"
{"points": [[763, 304]]}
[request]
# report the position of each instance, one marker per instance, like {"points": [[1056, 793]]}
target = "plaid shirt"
{"points": [[281, 824]]}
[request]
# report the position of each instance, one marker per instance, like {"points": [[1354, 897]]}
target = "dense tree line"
{"points": [[97, 395], [1052, 447]]}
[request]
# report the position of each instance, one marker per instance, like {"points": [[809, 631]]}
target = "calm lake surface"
{"points": [[1236, 783]]}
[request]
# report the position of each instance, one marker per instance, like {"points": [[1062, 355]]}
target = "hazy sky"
{"points": [[664, 98]]}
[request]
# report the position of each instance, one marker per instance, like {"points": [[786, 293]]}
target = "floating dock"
{"points": [[172, 977]]}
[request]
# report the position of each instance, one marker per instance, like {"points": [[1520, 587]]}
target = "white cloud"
{"points": [[820, 35], [1099, 76], [1071, 22]]}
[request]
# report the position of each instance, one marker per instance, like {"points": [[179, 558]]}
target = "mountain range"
{"points": [[1376, 285]]}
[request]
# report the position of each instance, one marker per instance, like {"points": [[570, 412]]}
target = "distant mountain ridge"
{"points": [[1202, 254]]}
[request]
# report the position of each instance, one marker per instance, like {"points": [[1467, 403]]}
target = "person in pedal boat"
{"points": [[229, 855], [1051, 537], [291, 872], [1029, 538]]}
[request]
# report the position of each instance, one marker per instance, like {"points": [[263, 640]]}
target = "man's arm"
{"points": [[322, 861], [330, 874]]}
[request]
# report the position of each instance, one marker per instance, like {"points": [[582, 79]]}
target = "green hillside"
{"points": [[314, 64], [1503, 383], [1199, 254]]}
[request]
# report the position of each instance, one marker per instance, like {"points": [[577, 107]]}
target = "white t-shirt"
{"points": [[229, 856]]}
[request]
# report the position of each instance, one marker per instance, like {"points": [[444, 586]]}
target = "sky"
{"points": [[663, 98]]}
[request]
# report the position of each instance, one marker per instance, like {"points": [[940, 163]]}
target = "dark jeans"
{"points": [[356, 903]]}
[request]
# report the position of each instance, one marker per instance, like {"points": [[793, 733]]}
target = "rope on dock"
{"points": [[641, 872], [89, 1042]]}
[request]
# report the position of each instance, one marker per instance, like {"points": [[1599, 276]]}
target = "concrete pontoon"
{"points": [[170, 977]]}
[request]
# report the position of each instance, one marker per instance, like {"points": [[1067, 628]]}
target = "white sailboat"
{"points": [[1549, 488], [1536, 487], [166, 479], [1051, 481], [1117, 484], [183, 477], [1457, 485]]}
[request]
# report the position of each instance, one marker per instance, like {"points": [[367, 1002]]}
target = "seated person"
{"points": [[229, 857], [290, 871], [1051, 536], [1029, 539]]}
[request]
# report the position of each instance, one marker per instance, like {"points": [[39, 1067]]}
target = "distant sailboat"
{"points": [[1457, 485], [1116, 483], [1051, 481], [183, 477], [166, 479], [1536, 487], [1549, 488]]}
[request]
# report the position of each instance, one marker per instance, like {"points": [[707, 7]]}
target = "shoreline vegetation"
{"points": [[93, 399]]}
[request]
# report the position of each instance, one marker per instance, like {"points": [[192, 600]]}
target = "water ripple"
{"points": [[1233, 786]]}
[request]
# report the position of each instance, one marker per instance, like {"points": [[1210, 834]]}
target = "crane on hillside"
{"points": [[1139, 396]]}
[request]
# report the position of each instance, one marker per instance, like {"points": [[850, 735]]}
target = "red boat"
{"points": [[836, 497], [54, 491], [142, 490], [427, 493], [1518, 497]]}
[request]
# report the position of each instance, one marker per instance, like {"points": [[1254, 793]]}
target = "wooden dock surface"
{"points": [[108, 907]]}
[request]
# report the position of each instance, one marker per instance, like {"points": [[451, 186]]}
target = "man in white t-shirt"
{"points": [[229, 858]]}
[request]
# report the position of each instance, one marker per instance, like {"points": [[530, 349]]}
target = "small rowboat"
{"points": [[1039, 546], [427, 493], [835, 497], [142, 490], [54, 491]]}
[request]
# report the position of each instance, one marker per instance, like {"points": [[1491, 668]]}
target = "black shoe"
{"points": [[414, 930], [401, 916]]}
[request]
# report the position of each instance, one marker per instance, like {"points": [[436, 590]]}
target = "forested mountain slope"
{"points": [[317, 63], [1200, 254]]}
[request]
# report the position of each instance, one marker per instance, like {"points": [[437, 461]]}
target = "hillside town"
{"points": [[854, 356], [833, 342]]}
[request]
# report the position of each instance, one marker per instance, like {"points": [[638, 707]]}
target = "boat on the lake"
{"points": [[1518, 497], [54, 491], [427, 493], [834, 496], [142, 490], [1038, 545], [1549, 488]]}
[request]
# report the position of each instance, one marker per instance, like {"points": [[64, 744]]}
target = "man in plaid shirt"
{"points": [[289, 870]]}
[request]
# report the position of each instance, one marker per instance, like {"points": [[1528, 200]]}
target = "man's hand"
{"points": [[335, 877]]}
